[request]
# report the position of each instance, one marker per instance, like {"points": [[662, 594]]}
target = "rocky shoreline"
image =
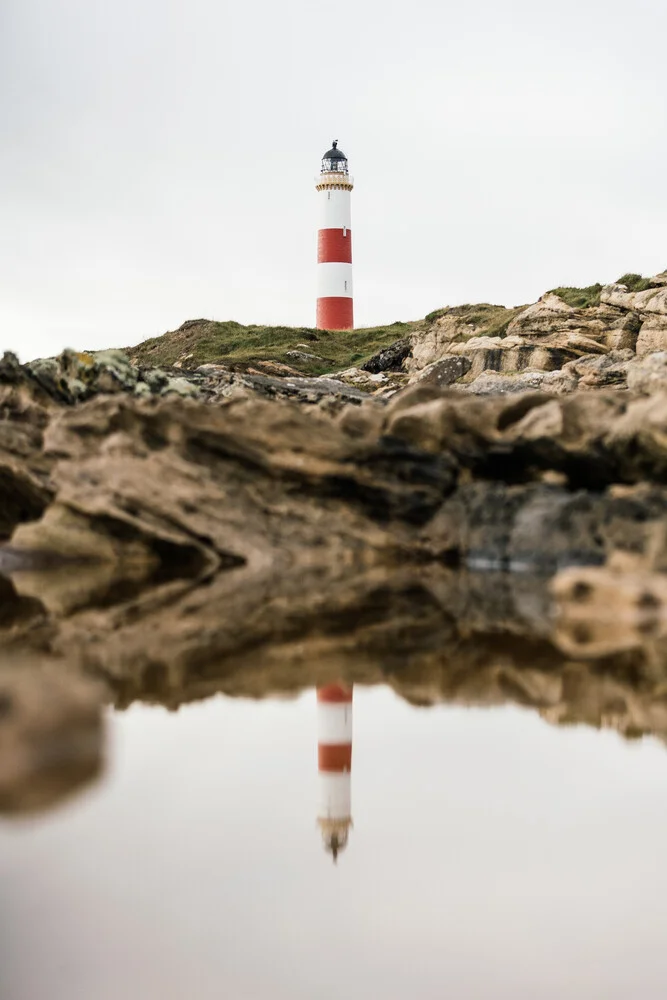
{"points": [[169, 533]]}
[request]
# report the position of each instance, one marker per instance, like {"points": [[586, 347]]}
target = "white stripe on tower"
{"points": [[334, 243], [334, 760]]}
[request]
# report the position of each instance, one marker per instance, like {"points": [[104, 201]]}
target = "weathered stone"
{"points": [[275, 369], [390, 358], [180, 387], [653, 300], [648, 374], [601, 371], [491, 383], [445, 372], [652, 336], [304, 356], [554, 321], [362, 379]]}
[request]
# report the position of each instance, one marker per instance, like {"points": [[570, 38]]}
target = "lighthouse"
{"points": [[334, 760], [334, 243]]}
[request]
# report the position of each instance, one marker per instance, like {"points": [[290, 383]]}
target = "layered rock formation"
{"points": [[553, 344], [171, 534]]}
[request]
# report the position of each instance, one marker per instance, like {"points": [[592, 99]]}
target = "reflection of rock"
{"points": [[50, 734], [604, 610], [434, 635], [237, 540]]}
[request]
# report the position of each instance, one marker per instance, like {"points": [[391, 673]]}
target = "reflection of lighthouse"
{"points": [[334, 758]]}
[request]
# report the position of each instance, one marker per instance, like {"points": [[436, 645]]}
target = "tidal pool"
{"points": [[492, 855]]}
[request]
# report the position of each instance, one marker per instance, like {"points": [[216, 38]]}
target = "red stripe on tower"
{"points": [[334, 246], [334, 765], [334, 243]]}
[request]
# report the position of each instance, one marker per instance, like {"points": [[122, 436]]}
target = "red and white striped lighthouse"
{"points": [[334, 761], [334, 243]]}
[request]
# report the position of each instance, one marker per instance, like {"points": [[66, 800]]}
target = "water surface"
{"points": [[493, 855]]}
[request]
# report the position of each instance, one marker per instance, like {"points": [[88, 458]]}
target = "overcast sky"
{"points": [[157, 157]]}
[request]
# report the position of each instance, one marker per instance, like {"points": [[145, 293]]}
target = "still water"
{"points": [[492, 855]]}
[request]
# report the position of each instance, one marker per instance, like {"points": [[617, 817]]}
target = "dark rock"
{"points": [[389, 359]]}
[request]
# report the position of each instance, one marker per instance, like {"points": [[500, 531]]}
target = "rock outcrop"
{"points": [[595, 344], [475, 515]]}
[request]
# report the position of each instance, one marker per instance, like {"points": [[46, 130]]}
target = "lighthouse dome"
{"points": [[334, 159]]}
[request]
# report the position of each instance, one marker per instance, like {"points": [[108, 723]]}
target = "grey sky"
{"points": [[157, 157]]}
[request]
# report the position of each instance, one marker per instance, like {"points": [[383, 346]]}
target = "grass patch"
{"points": [[239, 346], [634, 282], [202, 341], [488, 320], [579, 298]]}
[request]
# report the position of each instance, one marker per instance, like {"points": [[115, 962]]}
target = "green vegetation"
{"points": [[634, 282], [579, 298], [200, 342], [487, 319]]}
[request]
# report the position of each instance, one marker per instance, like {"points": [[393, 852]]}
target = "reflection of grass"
{"points": [[579, 298], [634, 282]]}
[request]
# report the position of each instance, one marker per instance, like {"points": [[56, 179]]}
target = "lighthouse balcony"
{"points": [[334, 179]]}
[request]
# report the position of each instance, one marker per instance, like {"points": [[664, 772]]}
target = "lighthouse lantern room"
{"points": [[334, 243]]}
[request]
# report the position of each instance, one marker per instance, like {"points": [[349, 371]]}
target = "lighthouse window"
{"points": [[346, 286], [329, 195]]}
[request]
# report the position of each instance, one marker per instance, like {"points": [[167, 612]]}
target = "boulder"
{"points": [[389, 359], [446, 371], [600, 371], [648, 374], [511, 355], [651, 301], [491, 383], [652, 335], [567, 325]]}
